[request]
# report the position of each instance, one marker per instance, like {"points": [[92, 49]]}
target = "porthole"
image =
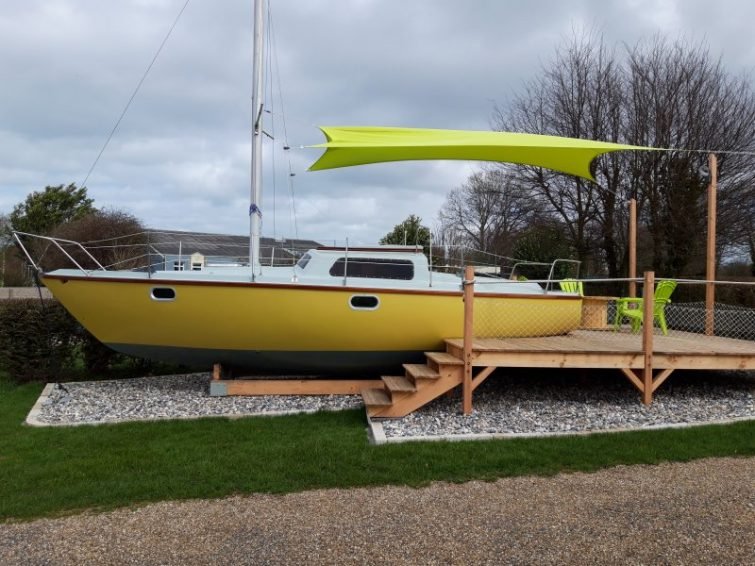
{"points": [[364, 302], [163, 294]]}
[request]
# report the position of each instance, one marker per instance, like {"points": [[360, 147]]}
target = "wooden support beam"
{"points": [[468, 339], [217, 371], [647, 336], [482, 376], [661, 377], [298, 386], [636, 381]]}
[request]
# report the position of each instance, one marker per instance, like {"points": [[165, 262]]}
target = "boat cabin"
{"points": [[395, 263]]}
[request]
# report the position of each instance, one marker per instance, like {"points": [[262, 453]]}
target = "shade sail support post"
{"points": [[467, 386], [710, 259]]}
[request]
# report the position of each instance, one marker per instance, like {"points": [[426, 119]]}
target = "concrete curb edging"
{"points": [[32, 419], [375, 431], [378, 432]]}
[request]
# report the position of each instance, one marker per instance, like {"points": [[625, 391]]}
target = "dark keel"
{"points": [[246, 363]]}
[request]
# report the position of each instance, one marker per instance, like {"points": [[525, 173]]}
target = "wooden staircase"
{"points": [[420, 384]]}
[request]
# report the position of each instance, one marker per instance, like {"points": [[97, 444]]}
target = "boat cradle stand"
{"points": [[221, 385]]}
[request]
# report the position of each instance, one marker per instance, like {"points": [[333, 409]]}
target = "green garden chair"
{"points": [[572, 286], [632, 307]]}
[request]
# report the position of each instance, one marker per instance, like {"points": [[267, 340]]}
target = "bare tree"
{"points": [[488, 210], [682, 98], [661, 95], [579, 95]]}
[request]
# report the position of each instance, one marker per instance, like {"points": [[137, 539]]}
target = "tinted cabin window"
{"points": [[303, 261], [374, 268]]}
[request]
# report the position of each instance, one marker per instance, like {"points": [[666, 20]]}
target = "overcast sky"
{"points": [[180, 158]]}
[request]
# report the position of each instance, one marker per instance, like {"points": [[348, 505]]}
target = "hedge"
{"points": [[39, 340]]}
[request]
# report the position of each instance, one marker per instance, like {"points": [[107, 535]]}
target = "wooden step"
{"points": [[398, 384], [376, 398], [421, 371], [444, 358]]}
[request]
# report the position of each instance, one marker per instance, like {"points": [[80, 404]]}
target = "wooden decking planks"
{"points": [[608, 349]]}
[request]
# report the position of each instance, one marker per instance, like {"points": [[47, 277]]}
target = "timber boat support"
{"points": [[222, 385]]}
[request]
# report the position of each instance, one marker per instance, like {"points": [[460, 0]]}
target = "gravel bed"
{"points": [[168, 397], [527, 403], [508, 403]]}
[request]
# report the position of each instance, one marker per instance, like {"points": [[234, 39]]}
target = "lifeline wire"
{"points": [[133, 95]]}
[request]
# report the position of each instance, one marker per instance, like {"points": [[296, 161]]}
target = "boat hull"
{"points": [[290, 327]]}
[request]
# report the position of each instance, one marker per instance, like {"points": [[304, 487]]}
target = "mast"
{"points": [[255, 214]]}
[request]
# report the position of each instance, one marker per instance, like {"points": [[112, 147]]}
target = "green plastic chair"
{"points": [[572, 286], [632, 307]]}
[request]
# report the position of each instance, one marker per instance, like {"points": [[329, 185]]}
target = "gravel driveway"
{"points": [[702, 512]]}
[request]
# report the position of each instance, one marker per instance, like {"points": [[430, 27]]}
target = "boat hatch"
{"points": [[374, 268], [364, 302]]}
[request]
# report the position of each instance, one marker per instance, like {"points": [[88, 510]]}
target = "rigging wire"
{"points": [[269, 96], [133, 95], [286, 144]]}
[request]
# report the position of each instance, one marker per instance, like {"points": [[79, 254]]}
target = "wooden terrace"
{"points": [[645, 359], [597, 349]]}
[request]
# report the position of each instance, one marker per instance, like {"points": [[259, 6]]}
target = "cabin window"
{"points": [[364, 302], [163, 294], [178, 266], [303, 261], [374, 268], [196, 266]]}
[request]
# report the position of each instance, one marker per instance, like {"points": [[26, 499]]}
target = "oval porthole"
{"points": [[364, 302], [163, 294]]}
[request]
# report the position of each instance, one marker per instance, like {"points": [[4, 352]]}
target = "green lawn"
{"points": [[51, 471]]}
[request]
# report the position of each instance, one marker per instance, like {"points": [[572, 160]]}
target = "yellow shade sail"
{"points": [[348, 146]]}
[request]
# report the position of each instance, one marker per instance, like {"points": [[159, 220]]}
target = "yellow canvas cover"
{"points": [[348, 146]]}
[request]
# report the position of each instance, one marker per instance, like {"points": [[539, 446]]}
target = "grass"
{"points": [[54, 471]]}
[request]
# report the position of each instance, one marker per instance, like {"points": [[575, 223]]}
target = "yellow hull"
{"points": [[220, 318]]}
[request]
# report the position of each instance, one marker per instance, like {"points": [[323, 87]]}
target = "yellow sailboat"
{"points": [[335, 311]]}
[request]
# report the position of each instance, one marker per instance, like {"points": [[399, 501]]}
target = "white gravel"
{"points": [[531, 403], [510, 403], [168, 397]]}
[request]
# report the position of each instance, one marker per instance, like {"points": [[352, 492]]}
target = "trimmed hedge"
{"points": [[39, 340]]}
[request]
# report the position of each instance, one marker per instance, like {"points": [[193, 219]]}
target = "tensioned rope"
{"points": [[133, 95]]}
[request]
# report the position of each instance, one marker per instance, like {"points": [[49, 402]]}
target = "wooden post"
{"points": [[468, 338], [648, 292], [710, 263], [633, 247]]}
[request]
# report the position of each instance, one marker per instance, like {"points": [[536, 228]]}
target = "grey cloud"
{"points": [[180, 158]]}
